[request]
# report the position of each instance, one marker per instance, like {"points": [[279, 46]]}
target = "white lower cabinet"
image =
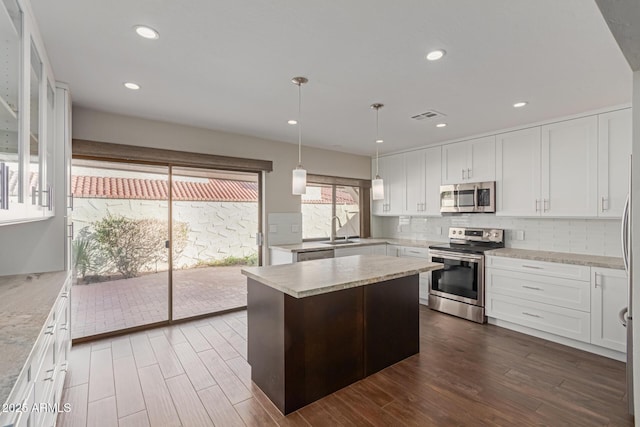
{"points": [[609, 295], [361, 250], [570, 301], [36, 394], [531, 294]]}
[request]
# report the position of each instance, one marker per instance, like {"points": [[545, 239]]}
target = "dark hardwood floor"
{"points": [[465, 375]]}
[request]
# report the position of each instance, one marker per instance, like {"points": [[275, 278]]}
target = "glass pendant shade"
{"points": [[377, 188], [299, 181]]}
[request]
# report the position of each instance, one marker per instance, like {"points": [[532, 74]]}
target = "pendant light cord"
{"points": [[299, 124], [377, 139]]}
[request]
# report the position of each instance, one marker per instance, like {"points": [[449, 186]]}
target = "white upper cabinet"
{"points": [[469, 161], [411, 183], [454, 163], [569, 168], [415, 162], [518, 173], [433, 176], [27, 119], [392, 171], [614, 150]]}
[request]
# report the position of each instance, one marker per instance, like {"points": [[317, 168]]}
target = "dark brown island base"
{"points": [[315, 327]]}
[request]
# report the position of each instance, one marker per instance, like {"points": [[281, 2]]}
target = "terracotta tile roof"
{"points": [[13, 181], [156, 189], [222, 190]]}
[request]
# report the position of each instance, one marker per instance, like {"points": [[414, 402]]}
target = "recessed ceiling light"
{"points": [[441, 125], [147, 32], [293, 122], [520, 104], [434, 55], [132, 86], [379, 141]]}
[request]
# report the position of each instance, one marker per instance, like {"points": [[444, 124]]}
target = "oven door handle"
{"points": [[456, 257]]}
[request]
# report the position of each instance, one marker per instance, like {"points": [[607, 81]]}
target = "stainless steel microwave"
{"points": [[468, 197]]}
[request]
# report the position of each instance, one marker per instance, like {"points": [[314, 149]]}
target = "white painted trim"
{"points": [[590, 348]]}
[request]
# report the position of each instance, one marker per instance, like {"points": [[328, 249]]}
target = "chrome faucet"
{"points": [[333, 230]]}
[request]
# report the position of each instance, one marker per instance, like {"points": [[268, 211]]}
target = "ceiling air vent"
{"points": [[428, 115]]}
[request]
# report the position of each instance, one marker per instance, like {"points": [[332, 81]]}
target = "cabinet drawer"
{"points": [[556, 320], [409, 251], [355, 250], [555, 269], [565, 293]]}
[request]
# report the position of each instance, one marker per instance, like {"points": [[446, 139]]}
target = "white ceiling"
{"points": [[227, 64]]}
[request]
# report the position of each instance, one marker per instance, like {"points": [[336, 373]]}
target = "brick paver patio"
{"points": [[109, 306]]}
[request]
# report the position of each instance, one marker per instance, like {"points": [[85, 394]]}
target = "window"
{"points": [[326, 206]]}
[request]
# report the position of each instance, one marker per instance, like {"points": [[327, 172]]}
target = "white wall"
{"points": [[107, 127]]}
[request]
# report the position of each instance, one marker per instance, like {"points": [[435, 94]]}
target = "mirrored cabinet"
{"points": [[27, 120]]}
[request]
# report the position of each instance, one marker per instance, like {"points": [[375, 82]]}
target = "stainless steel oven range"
{"points": [[458, 289]]}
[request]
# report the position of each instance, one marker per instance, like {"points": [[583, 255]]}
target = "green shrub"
{"points": [[87, 256], [133, 245], [231, 260]]}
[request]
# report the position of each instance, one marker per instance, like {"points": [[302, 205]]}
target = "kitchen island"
{"points": [[317, 326]]}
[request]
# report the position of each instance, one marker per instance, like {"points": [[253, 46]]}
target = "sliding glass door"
{"points": [[120, 246], [154, 244], [215, 220]]}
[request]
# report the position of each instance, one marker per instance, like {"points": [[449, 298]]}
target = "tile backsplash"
{"points": [[584, 236]]}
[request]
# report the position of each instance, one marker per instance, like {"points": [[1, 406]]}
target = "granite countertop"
{"points": [[304, 279], [561, 257], [315, 246], [25, 302]]}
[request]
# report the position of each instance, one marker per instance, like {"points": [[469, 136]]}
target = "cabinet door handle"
{"points": [[4, 186], [532, 288], [71, 202], [546, 205], [532, 266], [50, 330], [598, 280], [463, 174], [468, 173], [48, 198], [537, 205], [532, 315], [603, 200], [70, 230]]}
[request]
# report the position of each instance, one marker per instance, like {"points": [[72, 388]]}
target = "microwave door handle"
{"points": [[475, 197]]}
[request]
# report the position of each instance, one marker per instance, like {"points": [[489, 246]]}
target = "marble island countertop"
{"points": [[561, 257], [25, 302], [304, 279], [319, 245]]}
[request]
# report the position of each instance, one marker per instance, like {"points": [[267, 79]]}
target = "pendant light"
{"points": [[377, 186], [299, 176]]}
